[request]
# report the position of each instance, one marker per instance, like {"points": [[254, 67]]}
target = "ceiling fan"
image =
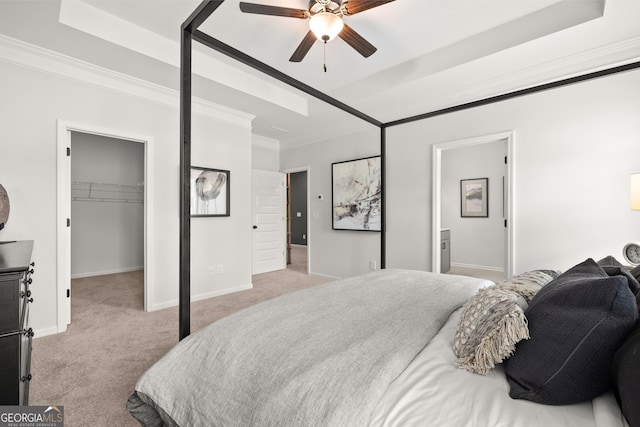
{"points": [[325, 22]]}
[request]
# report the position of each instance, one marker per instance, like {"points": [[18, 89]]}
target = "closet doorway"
{"points": [[107, 217], [103, 219], [298, 220]]}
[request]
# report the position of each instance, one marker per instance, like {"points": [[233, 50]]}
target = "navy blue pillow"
{"points": [[576, 323], [613, 267], [625, 371]]}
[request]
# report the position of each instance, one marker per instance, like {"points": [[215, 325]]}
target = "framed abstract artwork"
{"points": [[356, 194], [210, 192], [474, 198]]}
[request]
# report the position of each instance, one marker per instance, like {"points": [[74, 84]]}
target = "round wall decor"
{"points": [[4, 207]]}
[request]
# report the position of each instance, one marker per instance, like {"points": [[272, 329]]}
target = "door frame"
{"points": [[63, 238], [306, 169], [436, 204]]}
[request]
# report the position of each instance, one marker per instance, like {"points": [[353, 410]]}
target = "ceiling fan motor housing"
{"points": [[332, 6]]}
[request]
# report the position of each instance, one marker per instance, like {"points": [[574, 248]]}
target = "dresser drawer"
{"points": [[10, 302], [25, 300]]}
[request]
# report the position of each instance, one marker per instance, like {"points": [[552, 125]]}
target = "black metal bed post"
{"points": [[202, 12], [383, 204], [185, 184]]}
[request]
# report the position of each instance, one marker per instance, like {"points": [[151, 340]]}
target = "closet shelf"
{"points": [[104, 192]]}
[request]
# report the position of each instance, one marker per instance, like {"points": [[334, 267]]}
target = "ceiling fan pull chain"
{"points": [[325, 56]]}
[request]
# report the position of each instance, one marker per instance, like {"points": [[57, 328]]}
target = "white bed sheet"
{"points": [[432, 391]]}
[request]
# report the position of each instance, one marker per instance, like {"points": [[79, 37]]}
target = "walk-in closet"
{"points": [[107, 218]]}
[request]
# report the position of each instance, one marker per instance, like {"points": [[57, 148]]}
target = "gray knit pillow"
{"points": [[528, 284], [493, 321], [491, 324]]}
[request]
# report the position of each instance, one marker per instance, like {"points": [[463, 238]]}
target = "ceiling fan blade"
{"points": [[264, 9], [356, 6], [303, 47], [356, 41]]}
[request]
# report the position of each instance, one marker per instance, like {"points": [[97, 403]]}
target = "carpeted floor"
{"points": [[494, 276], [299, 258], [91, 369]]}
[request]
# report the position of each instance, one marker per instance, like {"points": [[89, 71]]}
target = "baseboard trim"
{"points": [[105, 272], [38, 333], [326, 276], [203, 296], [221, 292], [478, 267]]}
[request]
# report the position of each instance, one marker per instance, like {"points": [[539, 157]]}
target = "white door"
{"points": [[267, 213]]}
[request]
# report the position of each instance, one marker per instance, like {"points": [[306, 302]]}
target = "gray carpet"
{"points": [[91, 369], [299, 258]]}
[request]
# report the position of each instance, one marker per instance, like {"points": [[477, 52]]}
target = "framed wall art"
{"points": [[356, 194], [210, 192], [474, 198]]}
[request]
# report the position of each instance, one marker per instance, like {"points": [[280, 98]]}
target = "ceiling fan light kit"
{"points": [[325, 22], [325, 25]]}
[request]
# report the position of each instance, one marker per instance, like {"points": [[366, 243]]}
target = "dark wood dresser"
{"points": [[15, 333]]}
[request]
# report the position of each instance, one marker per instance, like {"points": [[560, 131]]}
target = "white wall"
{"points": [[575, 148], [222, 241], [475, 242], [334, 253], [31, 105], [265, 154], [106, 236]]}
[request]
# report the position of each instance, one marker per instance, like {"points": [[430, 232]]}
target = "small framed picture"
{"points": [[210, 192], [474, 198]]}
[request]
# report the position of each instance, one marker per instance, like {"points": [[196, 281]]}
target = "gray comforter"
{"points": [[322, 356]]}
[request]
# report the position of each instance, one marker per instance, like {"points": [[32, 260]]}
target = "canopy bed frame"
{"points": [[190, 32]]}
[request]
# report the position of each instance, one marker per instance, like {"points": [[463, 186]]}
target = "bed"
{"points": [[376, 349]]}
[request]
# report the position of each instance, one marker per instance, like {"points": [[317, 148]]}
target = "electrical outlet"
{"points": [[372, 265], [304, 237], [219, 268], [212, 269]]}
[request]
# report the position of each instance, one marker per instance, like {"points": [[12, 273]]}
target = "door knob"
{"points": [[255, 226]]}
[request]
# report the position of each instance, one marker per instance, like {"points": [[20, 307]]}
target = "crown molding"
{"points": [[98, 23], [18, 52], [592, 60], [265, 142]]}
